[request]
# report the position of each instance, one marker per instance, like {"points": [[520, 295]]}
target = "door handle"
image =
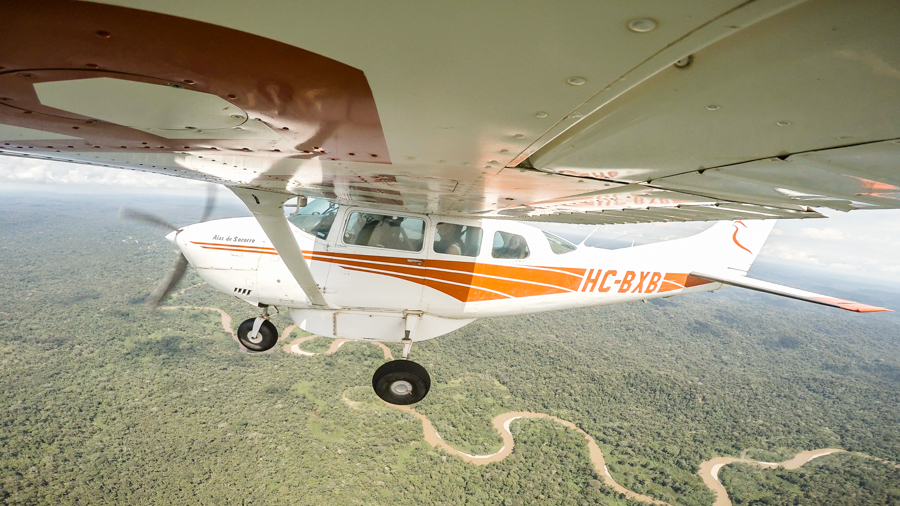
{"points": [[414, 261]]}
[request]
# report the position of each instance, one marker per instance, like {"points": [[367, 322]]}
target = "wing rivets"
{"points": [[684, 62], [642, 25]]}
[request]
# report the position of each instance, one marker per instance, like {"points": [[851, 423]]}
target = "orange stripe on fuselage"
{"points": [[241, 250], [676, 281], [465, 281], [234, 245]]}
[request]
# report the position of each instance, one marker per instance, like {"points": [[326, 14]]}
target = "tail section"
{"points": [[734, 245]]}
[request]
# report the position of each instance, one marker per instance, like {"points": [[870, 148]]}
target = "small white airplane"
{"points": [[358, 272], [403, 116]]}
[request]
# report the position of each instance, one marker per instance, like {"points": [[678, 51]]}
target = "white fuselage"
{"points": [[373, 288]]}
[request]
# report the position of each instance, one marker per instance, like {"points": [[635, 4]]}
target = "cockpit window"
{"points": [[559, 245], [453, 239], [316, 218], [508, 245], [383, 231]]}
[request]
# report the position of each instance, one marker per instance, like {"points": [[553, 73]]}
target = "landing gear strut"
{"points": [[403, 381], [258, 334]]}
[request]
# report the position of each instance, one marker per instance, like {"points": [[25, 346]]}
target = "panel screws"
{"points": [[783, 123], [642, 25], [576, 81], [540, 114], [712, 108]]}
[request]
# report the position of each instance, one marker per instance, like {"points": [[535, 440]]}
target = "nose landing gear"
{"points": [[258, 334], [402, 382]]}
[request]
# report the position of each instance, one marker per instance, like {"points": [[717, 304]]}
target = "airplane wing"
{"points": [[786, 291], [579, 112]]}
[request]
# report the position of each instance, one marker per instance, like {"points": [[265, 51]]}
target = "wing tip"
{"points": [[849, 305]]}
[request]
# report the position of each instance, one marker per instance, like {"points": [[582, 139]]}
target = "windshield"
{"points": [[316, 218], [559, 245]]}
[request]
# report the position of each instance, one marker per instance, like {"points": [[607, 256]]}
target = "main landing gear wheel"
{"points": [[401, 382], [265, 338]]}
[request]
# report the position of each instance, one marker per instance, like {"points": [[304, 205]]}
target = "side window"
{"points": [[453, 239], [508, 245], [383, 231], [316, 218], [559, 245]]}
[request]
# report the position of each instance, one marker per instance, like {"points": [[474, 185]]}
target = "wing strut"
{"points": [[268, 209]]}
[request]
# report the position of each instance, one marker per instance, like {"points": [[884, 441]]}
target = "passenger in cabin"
{"points": [[450, 242], [516, 247], [507, 245]]}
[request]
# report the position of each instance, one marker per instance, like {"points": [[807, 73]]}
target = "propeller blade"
{"points": [[169, 283], [210, 202], [134, 214]]}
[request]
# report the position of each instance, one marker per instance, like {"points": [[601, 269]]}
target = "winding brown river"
{"points": [[709, 470]]}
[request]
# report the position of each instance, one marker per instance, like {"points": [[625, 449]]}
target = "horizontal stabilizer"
{"points": [[786, 291]]}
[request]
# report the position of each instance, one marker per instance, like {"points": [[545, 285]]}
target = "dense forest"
{"points": [[105, 401]]}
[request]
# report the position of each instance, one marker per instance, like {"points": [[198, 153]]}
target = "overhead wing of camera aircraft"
{"points": [[408, 136]]}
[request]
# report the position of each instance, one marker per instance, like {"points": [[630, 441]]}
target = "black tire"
{"points": [[401, 382], [267, 338]]}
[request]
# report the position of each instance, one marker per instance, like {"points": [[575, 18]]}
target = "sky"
{"points": [[863, 244]]}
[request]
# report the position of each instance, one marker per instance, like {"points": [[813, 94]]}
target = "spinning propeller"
{"points": [[177, 272]]}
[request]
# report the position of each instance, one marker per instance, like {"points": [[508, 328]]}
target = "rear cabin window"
{"points": [[384, 231], [453, 239], [508, 245], [559, 245], [316, 218]]}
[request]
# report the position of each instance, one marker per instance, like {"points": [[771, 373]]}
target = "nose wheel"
{"points": [[401, 382], [258, 334]]}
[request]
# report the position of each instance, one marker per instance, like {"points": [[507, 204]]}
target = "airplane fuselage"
{"points": [[372, 288]]}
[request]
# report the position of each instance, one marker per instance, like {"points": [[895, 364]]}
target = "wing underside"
{"points": [[614, 114]]}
